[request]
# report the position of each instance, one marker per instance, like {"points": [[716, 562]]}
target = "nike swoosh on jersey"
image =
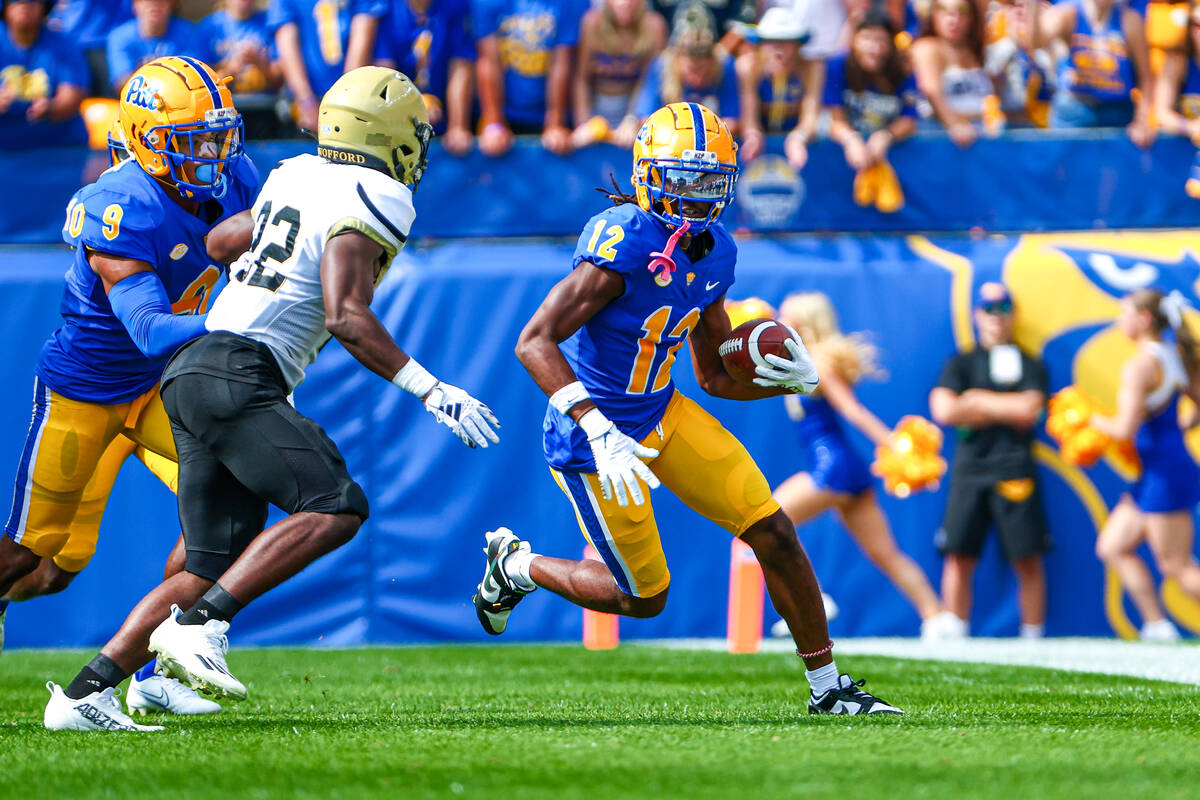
{"points": [[708, 287]]}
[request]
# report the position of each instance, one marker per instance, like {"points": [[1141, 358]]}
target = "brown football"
{"points": [[748, 343]]}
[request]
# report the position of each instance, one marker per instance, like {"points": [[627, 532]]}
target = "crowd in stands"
{"points": [[866, 73]]}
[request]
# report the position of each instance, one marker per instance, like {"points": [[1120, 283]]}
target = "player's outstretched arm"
{"points": [[571, 303], [139, 300], [713, 329], [349, 268], [230, 237]]}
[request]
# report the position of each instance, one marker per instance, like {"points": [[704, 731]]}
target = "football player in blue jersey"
{"points": [[648, 276], [137, 289]]}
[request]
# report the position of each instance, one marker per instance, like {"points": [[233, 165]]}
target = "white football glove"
{"points": [[618, 459], [466, 417], [797, 375]]}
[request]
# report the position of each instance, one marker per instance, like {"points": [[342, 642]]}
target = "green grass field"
{"points": [[563, 723]]}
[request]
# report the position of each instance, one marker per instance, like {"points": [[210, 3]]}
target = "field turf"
{"points": [[558, 722]]}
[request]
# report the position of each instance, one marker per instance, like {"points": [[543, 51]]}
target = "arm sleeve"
{"points": [[140, 302], [952, 377]]}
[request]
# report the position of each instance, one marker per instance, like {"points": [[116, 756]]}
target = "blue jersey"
{"points": [[324, 27], [721, 95], [34, 72], [527, 32], [871, 109], [422, 45], [1098, 63], [779, 97], [833, 463], [1170, 479], [127, 50], [87, 23], [128, 214], [624, 354], [225, 33]]}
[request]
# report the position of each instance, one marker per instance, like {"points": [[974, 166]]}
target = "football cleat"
{"points": [[195, 655], [99, 711], [849, 698], [159, 695], [496, 595]]}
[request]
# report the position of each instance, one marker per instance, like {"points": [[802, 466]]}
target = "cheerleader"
{"points": [[838, 477], [1158, 507]]}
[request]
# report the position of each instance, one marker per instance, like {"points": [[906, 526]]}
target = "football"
{"points": [[748, 343]]}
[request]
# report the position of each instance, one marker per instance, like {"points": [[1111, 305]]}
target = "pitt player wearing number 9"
{"points": [[648, 276], [138, 288], [324, 232]]}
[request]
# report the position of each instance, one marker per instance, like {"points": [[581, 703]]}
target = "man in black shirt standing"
{"points": [[993, 395]]}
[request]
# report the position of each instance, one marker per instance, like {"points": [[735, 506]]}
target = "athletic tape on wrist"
{"points": [[415, 379], [570, 395], [594, 423]]}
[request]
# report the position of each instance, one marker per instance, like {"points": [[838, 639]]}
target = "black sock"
{"points": [[216, 604], [100, 673]]}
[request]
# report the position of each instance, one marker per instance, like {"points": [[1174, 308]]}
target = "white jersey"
{"points": [[274, 294]]}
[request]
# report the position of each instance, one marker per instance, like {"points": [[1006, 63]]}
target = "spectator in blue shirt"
{"points": [[869, 94], [86, 24], [244, 47], [154, 32], [312, 37], [524, 70], [692, 70], [429, 41], [43, 79]]}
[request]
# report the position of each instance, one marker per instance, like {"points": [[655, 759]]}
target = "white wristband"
{"points": [[570, 395], [415, 379], [594, 423]]}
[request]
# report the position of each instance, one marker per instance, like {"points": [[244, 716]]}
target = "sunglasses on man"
{"points": [[997, 307]]}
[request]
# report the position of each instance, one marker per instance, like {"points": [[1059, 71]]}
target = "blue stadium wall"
{"points": [[459, 307]]}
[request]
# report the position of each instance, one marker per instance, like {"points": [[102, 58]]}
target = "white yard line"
{"points": [[1179, 663]]}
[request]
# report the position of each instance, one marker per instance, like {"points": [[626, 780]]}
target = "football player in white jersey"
{"points": [[325, 229]]}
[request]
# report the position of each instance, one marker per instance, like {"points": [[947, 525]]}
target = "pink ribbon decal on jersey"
{"points": [[664, 259]]}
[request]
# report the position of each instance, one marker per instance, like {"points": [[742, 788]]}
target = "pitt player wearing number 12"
{"points": [[648, 276], [138, 288]]}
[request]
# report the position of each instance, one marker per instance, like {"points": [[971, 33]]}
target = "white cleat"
{"points": [[159, 695], [195, 654], [1162, 630], [99, 711], [944, 627]]}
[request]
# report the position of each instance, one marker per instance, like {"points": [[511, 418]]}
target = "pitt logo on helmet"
{"points": [[180, 125], [685, 165], [141, 94]]}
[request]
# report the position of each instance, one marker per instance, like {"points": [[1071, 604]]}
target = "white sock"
{"points": [[1029, 631], [822, 679], [516, 567]]}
